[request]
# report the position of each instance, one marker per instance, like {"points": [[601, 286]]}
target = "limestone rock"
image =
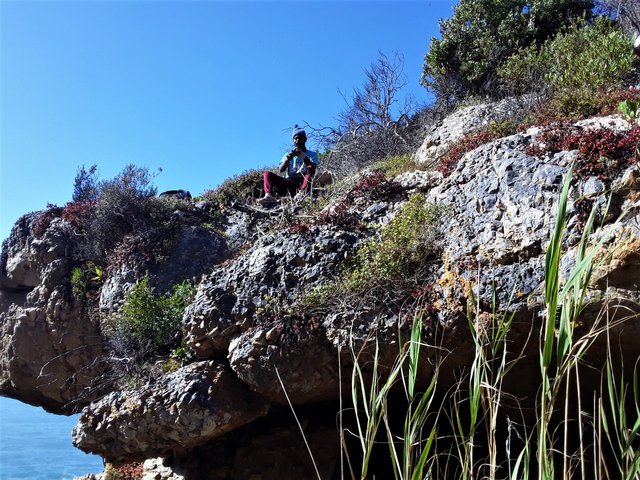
{"points": [[196, 252], [287, 358], [274, 271], [51, 351], [268, 449], [26, 256], [467, 120], [180, 411], [226, 416]]}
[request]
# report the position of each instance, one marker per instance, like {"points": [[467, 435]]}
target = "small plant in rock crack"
{"points": [[86, 279]]}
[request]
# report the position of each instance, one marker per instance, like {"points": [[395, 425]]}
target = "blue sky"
{"points": [[203, 90]]}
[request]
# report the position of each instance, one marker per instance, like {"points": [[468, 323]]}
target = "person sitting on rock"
{"points": [[299, 166]]}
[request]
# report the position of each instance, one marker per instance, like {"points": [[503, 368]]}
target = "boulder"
{"points": [[195, 252], [178, 412]]}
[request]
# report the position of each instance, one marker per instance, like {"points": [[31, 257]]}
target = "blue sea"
{"points": [[36, 445]]}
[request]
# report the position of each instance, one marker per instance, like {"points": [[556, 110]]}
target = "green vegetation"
{"points": [[128, 471], [482, 34], [407, 243], [402, 245], [397, 164], [630, 109], [573, 67], [149, 324], [239, 188], [85, 278], [445, 432]]}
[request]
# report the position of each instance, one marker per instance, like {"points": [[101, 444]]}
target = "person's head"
{"points": [[299, 136]]}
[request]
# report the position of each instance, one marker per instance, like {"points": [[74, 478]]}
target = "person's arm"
{"points": [[310, 158], [284, 163]]}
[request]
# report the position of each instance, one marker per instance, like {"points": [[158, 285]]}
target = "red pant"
{"points": [[289, 185]]}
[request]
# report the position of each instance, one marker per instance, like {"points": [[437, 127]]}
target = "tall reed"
{"points": [[473, 448]]}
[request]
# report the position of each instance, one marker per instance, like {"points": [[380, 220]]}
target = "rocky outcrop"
{"points": [[51, 350], [258, 351], [181, 411], [275, 271], [467, 120], [195, 251]]}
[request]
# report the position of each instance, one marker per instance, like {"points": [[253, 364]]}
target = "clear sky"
{"points": [[203, 90]]}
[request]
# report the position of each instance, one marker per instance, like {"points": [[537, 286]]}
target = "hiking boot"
{"points": [[267, 200]]}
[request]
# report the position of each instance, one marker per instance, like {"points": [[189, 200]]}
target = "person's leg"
{"points": [[271, 180], [305, 186]]}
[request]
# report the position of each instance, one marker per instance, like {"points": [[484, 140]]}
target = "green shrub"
{"points": [[149, 324], [573, 67], [237, 189], [482, 34], [78, 282], [630, 109], [86, 278], [402, 245], [397, 257], [394, 166]]}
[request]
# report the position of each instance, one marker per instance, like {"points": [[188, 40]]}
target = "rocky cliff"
{"points": [[259, 348]]}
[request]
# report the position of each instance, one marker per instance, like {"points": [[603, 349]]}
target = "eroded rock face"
{"points": [[181, 411], [51, 360], [51, 350], [196, 252], [269, 449], [253, 342], [25, 256], [276, 270], [271, 362], [501, 203]]}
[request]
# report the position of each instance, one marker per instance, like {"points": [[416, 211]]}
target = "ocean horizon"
{"points": [[36, 445]]}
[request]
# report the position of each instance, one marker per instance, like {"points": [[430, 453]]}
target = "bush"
{"points": [[129, 471], [402, 246], [85, 279], [395, 260], [573, 67], [239, 188], [125, 205], [393, 166], [482, 34], [149, 324]]}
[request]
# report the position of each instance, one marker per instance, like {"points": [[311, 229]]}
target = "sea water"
{"points": [[36, 445]]}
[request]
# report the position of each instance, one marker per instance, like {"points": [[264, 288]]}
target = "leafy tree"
{"points": [[482, 34]]}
